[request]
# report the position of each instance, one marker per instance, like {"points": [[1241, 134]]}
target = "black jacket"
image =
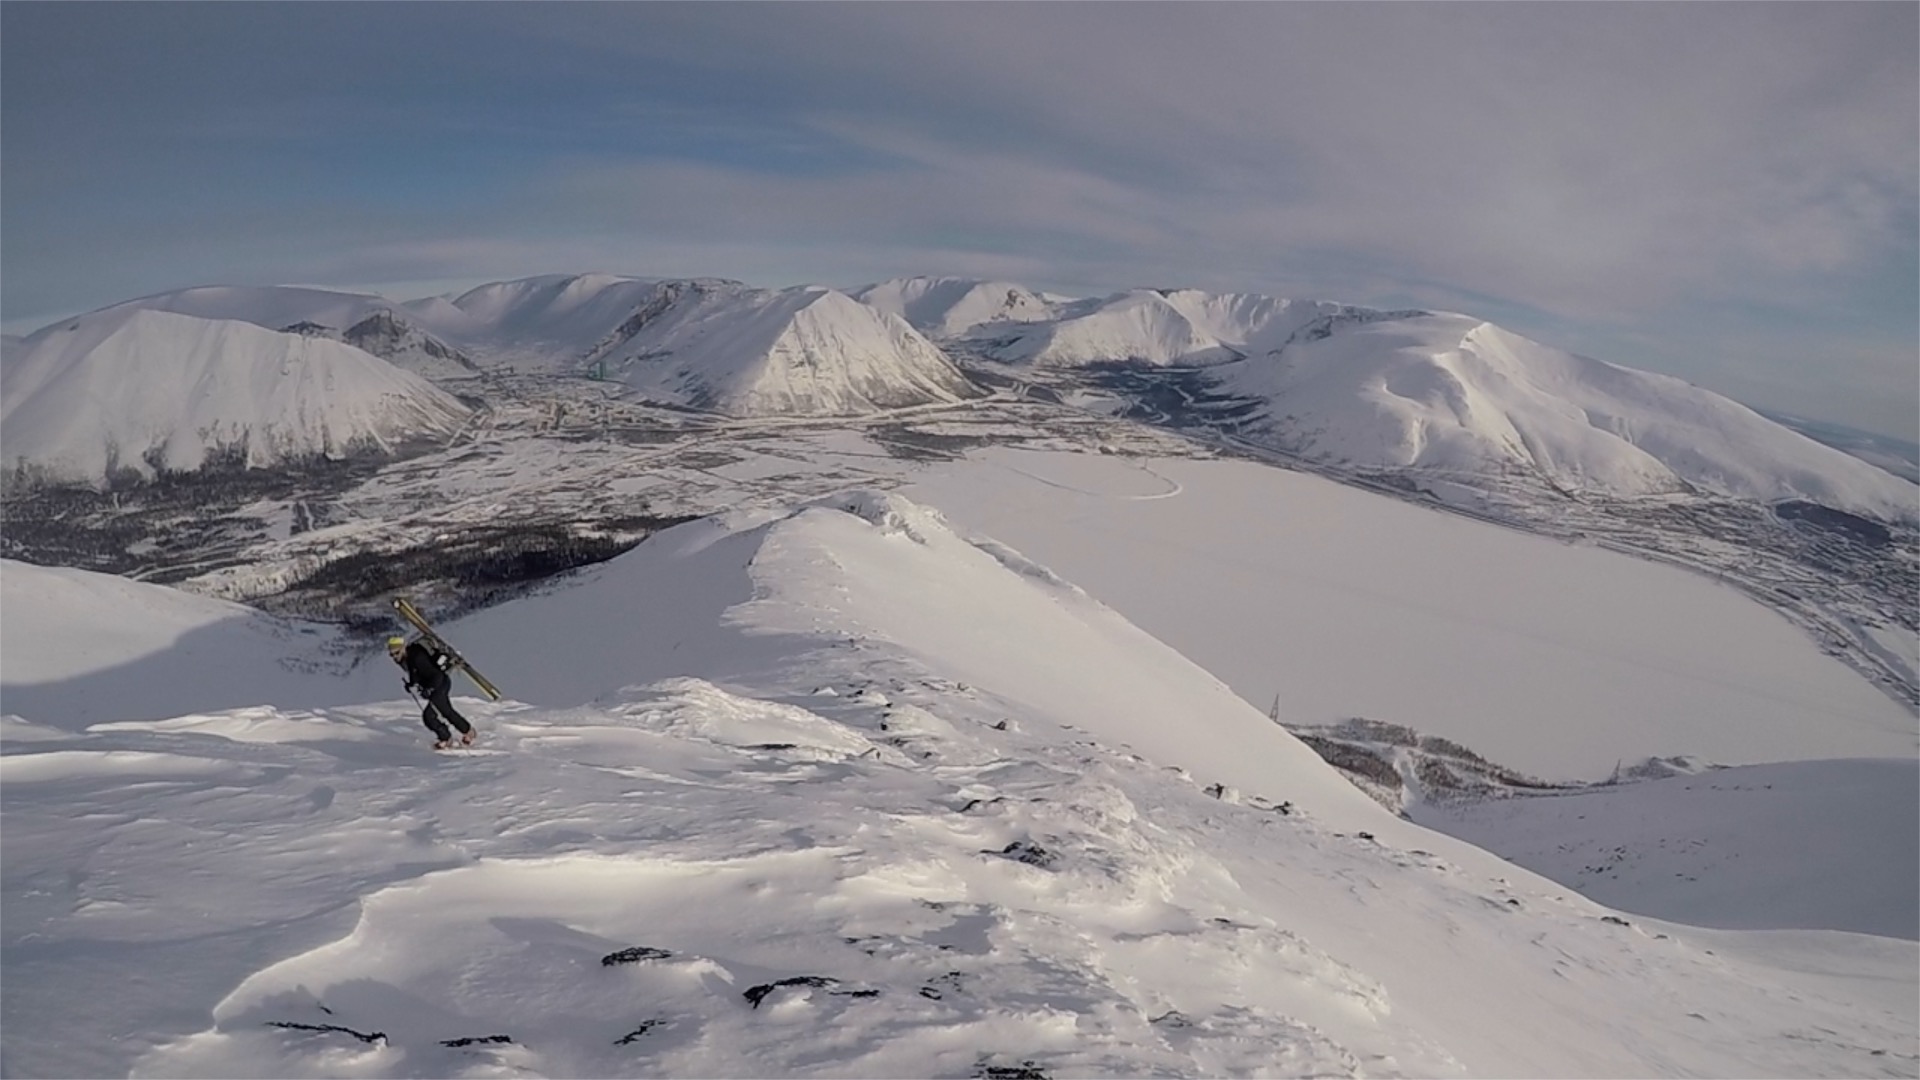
{"points": [[425, 667]]}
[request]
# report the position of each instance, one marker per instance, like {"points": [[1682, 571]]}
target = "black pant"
{"points": [[437, 707]]}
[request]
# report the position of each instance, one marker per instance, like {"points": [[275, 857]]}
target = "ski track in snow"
{"points": [[1173, 487]]}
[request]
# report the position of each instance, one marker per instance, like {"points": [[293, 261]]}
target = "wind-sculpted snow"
{"points": [[831, 790], [136, 391]]}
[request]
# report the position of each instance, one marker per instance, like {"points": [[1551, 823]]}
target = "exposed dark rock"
{"points": [[368, 1037], [634, 1035], [1026, 851], [634, 955], [477, 1040], [1026, 1070], [756, 994]]}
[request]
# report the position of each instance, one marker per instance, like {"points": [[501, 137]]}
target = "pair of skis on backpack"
{"points": [[433, 639]]}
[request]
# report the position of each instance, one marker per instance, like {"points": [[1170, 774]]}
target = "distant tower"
{"points": [[1273, 712]]}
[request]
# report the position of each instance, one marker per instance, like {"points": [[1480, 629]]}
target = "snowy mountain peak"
{"points": [[393, 339], [1138, 327], [805, 350], [136, 390], [545, 296], [551, 321], [950, 307], [372, 323], [1453, 395], [1169, 327], [271, 306]]}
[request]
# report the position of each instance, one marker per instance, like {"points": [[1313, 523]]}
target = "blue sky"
{"points": [[1728, 192]]}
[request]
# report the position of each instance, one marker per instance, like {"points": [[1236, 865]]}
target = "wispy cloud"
{"points": [[1612, 173]]}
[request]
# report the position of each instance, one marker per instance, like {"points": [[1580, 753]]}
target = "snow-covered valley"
{"points": [[931, 737]]}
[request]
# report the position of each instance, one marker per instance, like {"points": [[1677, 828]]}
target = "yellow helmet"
{"points": [[396, 644]]}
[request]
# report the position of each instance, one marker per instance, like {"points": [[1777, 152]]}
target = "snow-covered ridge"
{"points": [[82, 647], [1451, 397], [139, 390], [831, 788], [704, 343], [551, 321], [275, 307], [1451, 394], [800, 351], [1169, 327], [1143, 326], [364, 320], [949, 307]]}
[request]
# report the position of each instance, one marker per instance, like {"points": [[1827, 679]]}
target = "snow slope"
{"points": [[1133, 327], [364, 320], [1159, 327], [911, 805], [551, 321], [1706, 848], [81, 647], [134, 389], [1451, 397], [1450, 394], [275, 307], [801, 351], [709, 344], [944, 307]]}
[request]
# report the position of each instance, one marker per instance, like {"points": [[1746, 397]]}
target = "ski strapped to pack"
{"points": [[411, 614]]}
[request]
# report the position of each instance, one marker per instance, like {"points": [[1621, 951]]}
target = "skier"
{"points": [[426, 671]]}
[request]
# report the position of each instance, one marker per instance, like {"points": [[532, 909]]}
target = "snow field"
{"points": [[1706, 848], [1556, 659]]}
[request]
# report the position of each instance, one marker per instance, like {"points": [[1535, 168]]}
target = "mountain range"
{"points": [[1448, 402]]}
